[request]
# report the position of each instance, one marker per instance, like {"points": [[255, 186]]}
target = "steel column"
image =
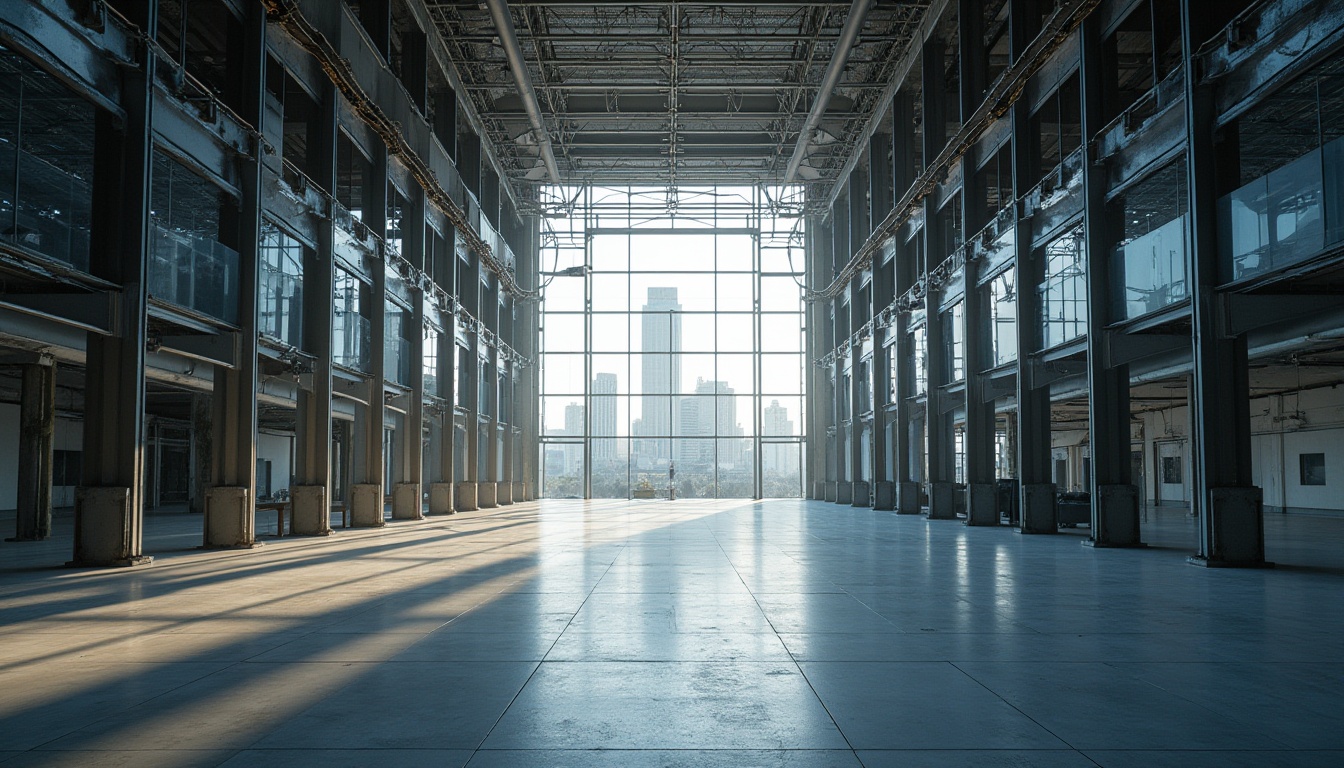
{"points": [[1115, 501], [37, 431], [1229, 505]]}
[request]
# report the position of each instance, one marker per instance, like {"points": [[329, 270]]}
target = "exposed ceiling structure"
{"points": [[675, 93]]}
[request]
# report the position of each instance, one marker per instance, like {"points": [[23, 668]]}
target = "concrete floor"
{"points": [[676, 634]]}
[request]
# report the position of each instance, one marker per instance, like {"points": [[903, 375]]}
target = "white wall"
{"points": [[277, 450]]}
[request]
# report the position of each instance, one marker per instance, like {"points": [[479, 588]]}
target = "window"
{"points": [[954, 331], [46, 163], [1003, 317], [189, 265], [1148, 263], [350, 331], [1064, 290], [1312, 468], [1056, 127], [281, 286], [687, 346]]}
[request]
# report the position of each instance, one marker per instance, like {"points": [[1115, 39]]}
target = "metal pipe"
{"points": [[858, 11], [508, 40]]}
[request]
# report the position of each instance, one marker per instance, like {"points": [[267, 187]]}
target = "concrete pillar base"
{"points": [[366, 506], [844, 493], [1038, 508], [942, 501], [466, 497], [1236, 526], [862, 496], [818, 490], [982, 506], [407, 502], [441, 499], [310, 512], [105, 529], [230, 519], [828, 492], [485, 495], [884, 495], [907, 498], [504, 494], [520, 492], [1115, 517]]}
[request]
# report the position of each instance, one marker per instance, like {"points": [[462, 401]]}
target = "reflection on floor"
{"points": [[679, 633]]}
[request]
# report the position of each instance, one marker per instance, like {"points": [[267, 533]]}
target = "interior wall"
{"points": [[69, 437]]}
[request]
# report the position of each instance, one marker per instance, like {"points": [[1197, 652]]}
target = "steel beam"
{"points": [[858, 12], [508, 40]]}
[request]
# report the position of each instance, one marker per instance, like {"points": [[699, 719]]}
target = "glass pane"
{"points": [[737, 372], [563, 294], [672, 291], [735, 292], [692, 370], [735, 470], [610, 333], [781, 475], [563, 374], [737, 416], [610, 253], [782, 374], [689, 253], [562, 333], [562, 415], [697, 332], [781, 416], [781, 333], [695, 416], [615, 366], [694, 468], [611, 293], [781, 294], [736, 332], [736, 253]]}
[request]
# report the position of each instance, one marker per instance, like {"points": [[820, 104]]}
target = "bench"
{"points": [[278, 507]]}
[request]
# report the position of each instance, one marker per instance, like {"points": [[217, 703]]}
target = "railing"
{"points": [[194, 272], [350, 341], [1284, 217], [281, 307], [1150, 270], [49, 212]]}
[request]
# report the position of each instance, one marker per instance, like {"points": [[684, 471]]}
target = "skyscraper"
{"points": [[660, 334], [574, 414], [712, 415], [775, 423], [604, 417]]}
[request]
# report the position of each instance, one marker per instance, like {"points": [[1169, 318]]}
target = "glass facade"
{"points": [[690, 361]]}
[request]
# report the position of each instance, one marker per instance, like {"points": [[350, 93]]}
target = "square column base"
{"points": [[907, 498], [1038, 508], [520, 492], [441, 499], [862, 496], [485, 495], [828, 491], [982, 506], [1115, 517], [406, 502], [230, 520], [310, 512], [104, 529], [466, 497], [942, 501], [844, 493], [884, 495], [817, 490], [504, 494], [1236, 530], [366, 506]]}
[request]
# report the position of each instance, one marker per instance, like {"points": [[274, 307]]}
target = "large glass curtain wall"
{"points": [[673, 355]]}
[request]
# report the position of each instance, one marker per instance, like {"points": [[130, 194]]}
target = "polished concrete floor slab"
{"points": [[694, 634]]}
